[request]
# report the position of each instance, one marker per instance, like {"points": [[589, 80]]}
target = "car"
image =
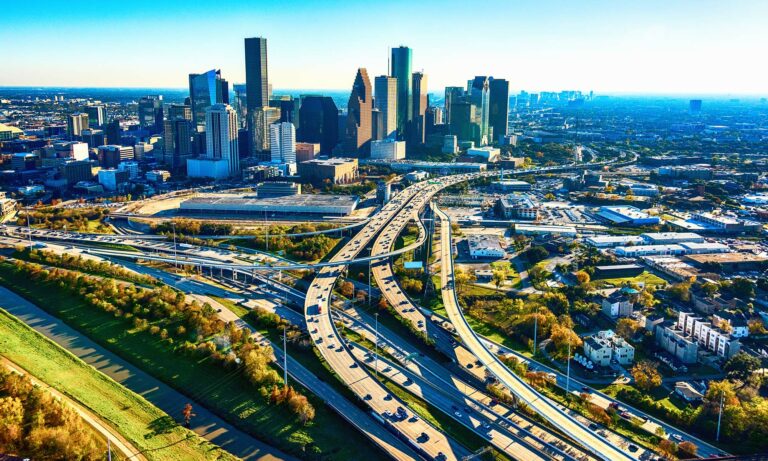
{"points": [[458, 414], [593, 426], [632, 447], [367, 397], [677, 437], [388, 397], [424, 437], [586, 389]]}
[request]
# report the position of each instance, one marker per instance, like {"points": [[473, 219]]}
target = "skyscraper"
{"points": [[256, 81], [282, 142], [452, 94], [151, 113], [177, 142], [206, 90], [97, 115], [498, 112], [386, 101], [319, 122], [401, 70], [420, 101], [182, 111], [221, 136], [76, 123], [257, 94], [358, 130], [260, 119], [240, 103], [479, 92]]}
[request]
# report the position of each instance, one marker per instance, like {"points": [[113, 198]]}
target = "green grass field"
{"points": [[144, 425], [646, 278], [227, 393]]}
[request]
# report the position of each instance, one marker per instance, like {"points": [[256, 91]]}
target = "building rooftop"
{"points": [[727, 258], [651, 236]]}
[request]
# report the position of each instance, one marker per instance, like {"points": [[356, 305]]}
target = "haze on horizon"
{"points": [[660, 47]]}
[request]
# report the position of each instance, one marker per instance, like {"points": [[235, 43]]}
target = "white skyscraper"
{"points": [[282, 142], [221, 136]]}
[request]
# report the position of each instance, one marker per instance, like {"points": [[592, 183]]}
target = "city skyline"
{"points": [[658, 48]]}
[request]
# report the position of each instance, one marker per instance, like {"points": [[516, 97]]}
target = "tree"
{"points": [[687, 449], [741, 366], [582, 277], [626, 328], [562, 336], [710, 289], [680, 291], [347, 289], [187, 413], [646, 375], [743, 287], [668, 449], [462, 278], [537, 253], [499, 277]]}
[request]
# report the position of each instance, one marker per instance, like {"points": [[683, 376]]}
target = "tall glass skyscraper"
{"points": [[221, 136], [479, 93], [498, 112], [386, 101], [256, 81], [401, 70], [319, 122], [205, 90], [358, 127], [420, 101]]}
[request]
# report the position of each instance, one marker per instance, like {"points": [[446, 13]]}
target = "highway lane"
{"points": [[516, 385], [421, 435]]}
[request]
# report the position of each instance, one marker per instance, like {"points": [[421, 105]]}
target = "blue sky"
{"points": [[651, 46]]}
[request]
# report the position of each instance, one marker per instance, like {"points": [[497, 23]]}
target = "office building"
{"points": [[282, 139], [141, 149], [485, 246], [77, 170], [517, 207], [151, 113], [131, 167], [383, 192], [206, 90], [157, 176], [112, 180], [419, 112], [257, 94], [450, 144], [93, 137], [401, 70], [221, 137], [177, 143], [76, 123], [487, 153], [319, 122], [358, 129], [480, 98], [452, 95], [335, 170], [97, 115], [113, 132], [259, 121], [306, 151], [498, 112], [256, 78], [111, 155], [626, 216], [389, 149], [180, 111], [386, 102]]}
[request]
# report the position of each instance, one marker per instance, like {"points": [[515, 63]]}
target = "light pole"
{"points": [[369, 283], [376, 345], [535, 330], [720, 415], [175, 251], [568, 370], [285, 358], [29, 230]]}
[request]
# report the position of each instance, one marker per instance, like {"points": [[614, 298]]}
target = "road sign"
{"points": [[412, 265]]}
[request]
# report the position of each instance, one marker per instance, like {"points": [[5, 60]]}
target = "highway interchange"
{"points": [[350, 363]]}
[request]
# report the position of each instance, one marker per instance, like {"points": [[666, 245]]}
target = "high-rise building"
{"points": [[420, 102], [110, 156], [94, 138], [498, 112], [151, 113], [463, 120], [358, 129], [319, 122], [401, 70], [256, 81], [259, 121], [282, 142], [240, 103], [206, 90], [179, 111], [257, 94], [114, 132], [385, 100], [479, 93], [177, 143], [97, 115], [76, 123], [221, 136], [452, 94]]}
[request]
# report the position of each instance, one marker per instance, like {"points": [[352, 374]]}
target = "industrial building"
{"points": [[485, 246], [299, 205], [666, 238], [517, 207], [626, 216], [610, 241], [511, 185]]}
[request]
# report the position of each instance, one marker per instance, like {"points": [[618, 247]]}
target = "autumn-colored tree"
{"points": [[582, 277], [626, 327], [646, 375], [187, 413], [668, 449], [687, 449], [347, 289]]}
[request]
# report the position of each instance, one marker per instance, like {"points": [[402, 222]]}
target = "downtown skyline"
{"points": [[657, 48]]}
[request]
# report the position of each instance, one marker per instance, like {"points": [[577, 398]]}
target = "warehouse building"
{"points": [[667, 238], [610, 241], [485, 246], [626, 216]]}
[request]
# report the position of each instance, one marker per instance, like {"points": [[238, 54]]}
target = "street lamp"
{"points": [[175, 251], [376, 345]]}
